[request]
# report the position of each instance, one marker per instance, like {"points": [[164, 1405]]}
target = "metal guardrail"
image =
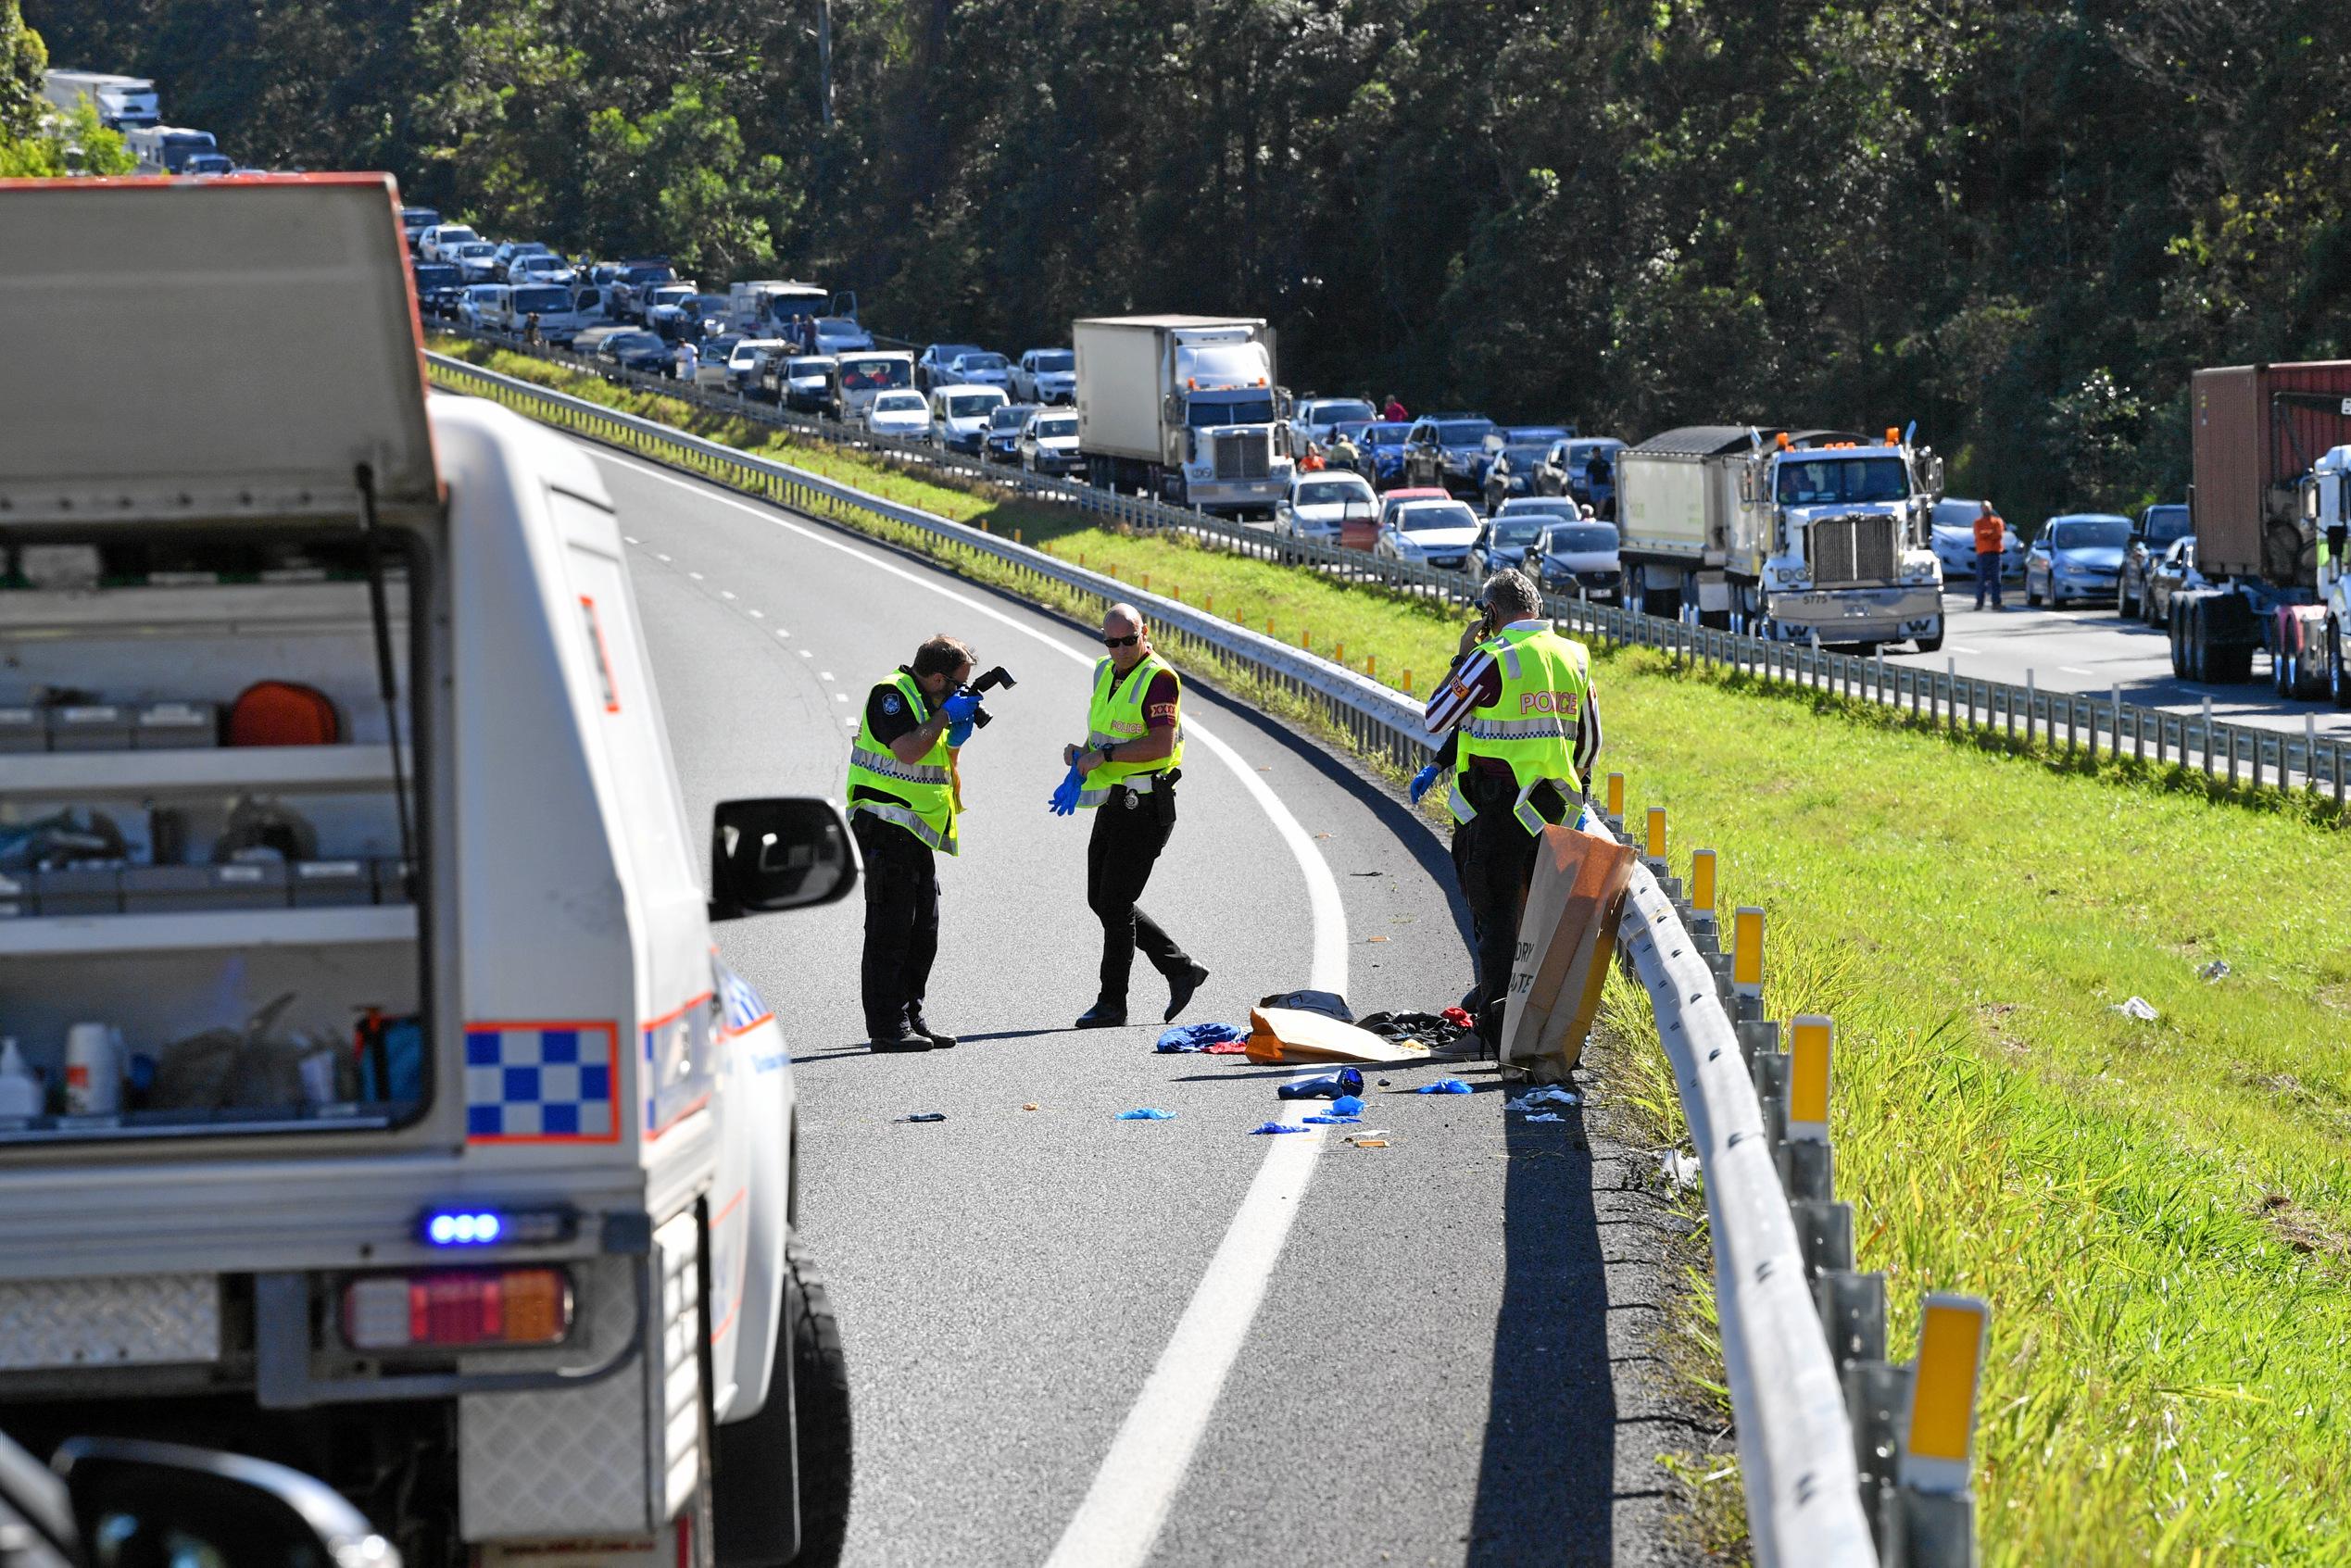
{"points": [[1821, 1418], [2081, 723]]}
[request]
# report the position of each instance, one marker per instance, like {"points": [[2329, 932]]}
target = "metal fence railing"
{"points": [[2085, 724], [1839, 1464]]}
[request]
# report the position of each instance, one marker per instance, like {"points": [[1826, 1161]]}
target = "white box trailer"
{"points": [[1184, 406], [392, 1114], [123, 101]]}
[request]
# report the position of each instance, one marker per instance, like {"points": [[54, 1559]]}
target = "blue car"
{"points": [[1503, 437], [1382, 447], [2079, 556]]}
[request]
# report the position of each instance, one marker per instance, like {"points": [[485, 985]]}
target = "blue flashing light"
{"points": [[463, 1228]]}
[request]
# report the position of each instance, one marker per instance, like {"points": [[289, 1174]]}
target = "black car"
{"points": [[2158, 526], [1440, 449], [1002, 441], [438, 284], [636, 351]]}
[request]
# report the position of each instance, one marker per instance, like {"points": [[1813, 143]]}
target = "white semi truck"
{"points": [[1815, 536], [374, 1099], [1185, 407], [123, 101]]}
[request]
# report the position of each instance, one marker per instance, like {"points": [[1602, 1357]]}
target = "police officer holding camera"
{"points": [[904, 799], [1126, 774]]}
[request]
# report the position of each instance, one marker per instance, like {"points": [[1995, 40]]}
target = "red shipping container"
{"points": [[2256, 430]]}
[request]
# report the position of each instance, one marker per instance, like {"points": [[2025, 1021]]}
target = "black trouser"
{"points": [[1497, 866], [901, 923], [1129, 831]]}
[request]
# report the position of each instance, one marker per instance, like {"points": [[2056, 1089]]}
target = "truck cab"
{"points": [[2325, 496], [376, 1100], [1185, 405]]}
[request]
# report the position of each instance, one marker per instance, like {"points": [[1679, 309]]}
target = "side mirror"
{"points": [[2338, 535], [788, 853], [142, 1503]]}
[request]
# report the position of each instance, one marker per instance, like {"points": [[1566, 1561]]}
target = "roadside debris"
{"points": [[1332, 1120], [2138, 1008], [1147, 1113], [1265, 1127], [1680, 1169], [2213, 970], [925, 1116], [1346, 1080], [1030, 1106], [1200, 1037], [1370, 1138], [1545, 1116], [1443, 1086], [1535, 1100]]}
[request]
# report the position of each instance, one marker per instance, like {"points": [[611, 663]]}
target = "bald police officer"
{"points": [[1126, 774]]}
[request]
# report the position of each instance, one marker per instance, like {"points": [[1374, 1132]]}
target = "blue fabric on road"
{"points": [[1198, 1037], [1443, 1086], [1275, 1127], [1147, 1113]]}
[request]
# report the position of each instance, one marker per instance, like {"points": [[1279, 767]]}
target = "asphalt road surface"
{"points": [[1085, 1341], [2092, 650]]}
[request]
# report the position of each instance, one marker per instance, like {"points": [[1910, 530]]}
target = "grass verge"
{"points": [[2159, 1213]]}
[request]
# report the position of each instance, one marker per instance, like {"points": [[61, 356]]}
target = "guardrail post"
{"points": [[1654, 855], [1937, 1436], [1702, 901], [1614, 809], [1811, 1168], [1875, 1394]]}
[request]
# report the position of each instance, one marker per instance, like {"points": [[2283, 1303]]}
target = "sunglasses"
{"points": [[1127, 642]]}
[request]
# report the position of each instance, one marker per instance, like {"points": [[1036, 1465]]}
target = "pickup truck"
{"points": [[381, 1105], [624, 295]]}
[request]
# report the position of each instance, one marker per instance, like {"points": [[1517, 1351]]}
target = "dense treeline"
{"points": [[2018, 221]]}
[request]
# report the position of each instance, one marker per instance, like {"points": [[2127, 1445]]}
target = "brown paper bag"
{"points": [[1566, 936]]}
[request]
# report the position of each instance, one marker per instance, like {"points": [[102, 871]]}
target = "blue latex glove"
{"points": [[959, 731], [960, 706], [1064, 801], [1421, 781]]}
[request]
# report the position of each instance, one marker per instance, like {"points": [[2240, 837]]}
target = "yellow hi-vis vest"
{"points": [[927, 787], [1532, 724], [1117, 718]]}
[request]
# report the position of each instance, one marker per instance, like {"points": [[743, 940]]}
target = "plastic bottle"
{"points": [[19, 1090]]}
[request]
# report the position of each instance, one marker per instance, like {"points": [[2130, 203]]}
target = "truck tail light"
{"points": [[457, 1308]]}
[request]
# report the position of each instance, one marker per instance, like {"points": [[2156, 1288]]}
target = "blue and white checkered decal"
{"points": [[540, 1081], [742, 1005]]}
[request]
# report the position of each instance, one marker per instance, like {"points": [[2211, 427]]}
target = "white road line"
{"points": [[2076, 670], [756, 614], [1120, 1518], [725, 594], [658, 555], [696, 575], [840, 696], [824, 675]]}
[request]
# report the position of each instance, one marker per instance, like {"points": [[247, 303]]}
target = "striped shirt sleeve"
{"points": [[1588, 736], [1473, 681]]}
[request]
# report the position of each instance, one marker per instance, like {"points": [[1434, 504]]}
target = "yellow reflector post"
{"points": [[1746, 951], [1810, 1039], [1656, 850], [1940, 1432], [1702, 881], [1616, 795]]}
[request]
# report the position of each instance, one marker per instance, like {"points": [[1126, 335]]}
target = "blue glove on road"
{"points": [[960, 706], [1421, 781], [1064, 801], [959, 731]]}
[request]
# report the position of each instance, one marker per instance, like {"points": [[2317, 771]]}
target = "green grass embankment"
{"points": [[2160, 1213]]}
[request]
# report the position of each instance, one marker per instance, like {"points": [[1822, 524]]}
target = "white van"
{"points": [[960, 415], [560, 321], [376, 1096], [167, 149]]}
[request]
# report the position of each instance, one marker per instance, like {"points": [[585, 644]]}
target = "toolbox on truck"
{"points": [[388, 1101]]}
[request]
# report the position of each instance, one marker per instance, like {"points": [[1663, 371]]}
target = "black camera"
{"points": [[1000, 676]]}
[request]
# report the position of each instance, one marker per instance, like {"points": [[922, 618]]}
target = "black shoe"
{"points": [[898, 1040], [1101, 1015], [938, 1042], [1180, 988]]}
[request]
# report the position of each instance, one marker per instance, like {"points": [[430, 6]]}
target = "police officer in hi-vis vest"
{"points": [[1126, 774], [1526, 732], [903, 800]]}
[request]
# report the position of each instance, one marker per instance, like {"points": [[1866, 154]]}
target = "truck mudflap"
{"points": [[1858, 615]]}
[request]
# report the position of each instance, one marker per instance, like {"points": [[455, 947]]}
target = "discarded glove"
{"points": [[1459, 1018], [1147, 1114], [1443, 1086], [959, 731], [1199, 1036], [1346, 1080], [1548, 1116], [1535, 1100], [1064, 801], [959, 708], [1332, 1120], [1277, 1127], [1421, 781], [1348, 1105]]}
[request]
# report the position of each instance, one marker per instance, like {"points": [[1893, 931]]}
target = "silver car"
{"points": [[1954, 541]]}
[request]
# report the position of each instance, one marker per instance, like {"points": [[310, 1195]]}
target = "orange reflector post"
{"points": [[1746, 951], [1938, 1432], [1656, 850], [1616, 795], [1811, 1037], [1702, 881]]}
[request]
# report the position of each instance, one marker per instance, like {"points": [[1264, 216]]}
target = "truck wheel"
{"points": [[1932, 644], [812, 1429], [2171, 635]]}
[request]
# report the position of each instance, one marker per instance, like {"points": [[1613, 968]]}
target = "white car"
{"points": [[983, 368], [481, 308], [440, 242], [1317, 417], [900, 414], [538, 267], [477, 262], [959, 413], [840, 334], [1952, 535], [1046, 375], [1049, 443], [1320, 505], [746, 363], [1429, 533]]}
